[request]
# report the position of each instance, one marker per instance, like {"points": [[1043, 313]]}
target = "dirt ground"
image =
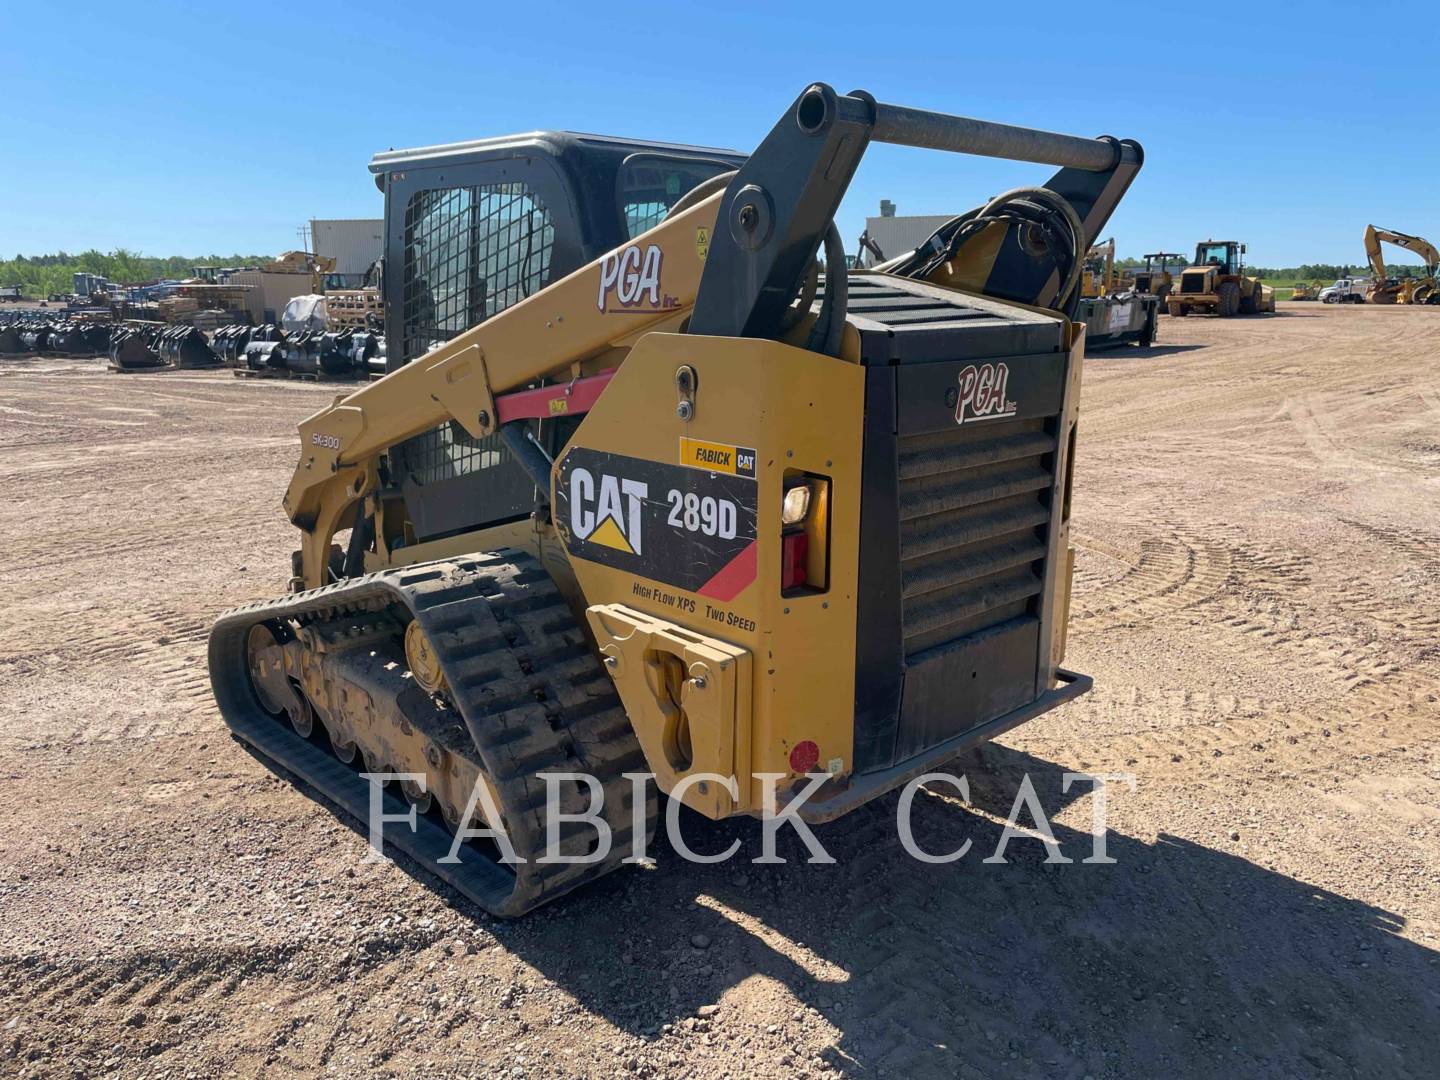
{"points": [[1258, 532]]}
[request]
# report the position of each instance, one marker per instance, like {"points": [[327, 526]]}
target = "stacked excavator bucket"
{"points": [[27, 337], [10, 339], [80, 339], [262, 357], [33, 337], [332, 354], [342, 354], [186, 347], [248, 350], [229, 342], [148, 346], [132, 347]]}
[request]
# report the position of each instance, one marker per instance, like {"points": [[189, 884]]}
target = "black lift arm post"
{"points": [[780, 203]]}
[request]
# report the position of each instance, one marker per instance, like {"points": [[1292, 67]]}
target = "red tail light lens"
{"points": [[794, 556], [804, 534]]}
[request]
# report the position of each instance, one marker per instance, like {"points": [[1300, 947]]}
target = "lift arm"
{"points": [[764, 230]]}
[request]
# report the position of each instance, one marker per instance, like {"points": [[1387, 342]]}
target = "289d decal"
{"points": [[702, 513], [681, 526]]}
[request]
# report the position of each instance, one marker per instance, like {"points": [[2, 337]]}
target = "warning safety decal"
{"points": [[684, 527]]}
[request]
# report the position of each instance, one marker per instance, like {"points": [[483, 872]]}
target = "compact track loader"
{"points": [[649, 488]]}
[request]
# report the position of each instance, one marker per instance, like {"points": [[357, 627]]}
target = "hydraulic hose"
{"points": [[700, 192], [829, 329], [1033, 205], [1072, 220], [796, 311]]}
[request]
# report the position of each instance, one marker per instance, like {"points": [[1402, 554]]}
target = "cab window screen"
{"points": [[470, 252], [651, 184]]}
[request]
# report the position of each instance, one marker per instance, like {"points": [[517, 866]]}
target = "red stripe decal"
{"points": [[733, 576], [577, 397]]}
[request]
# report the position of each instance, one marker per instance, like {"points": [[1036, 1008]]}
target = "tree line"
{"points": [[1309, 271], [40, 276]]}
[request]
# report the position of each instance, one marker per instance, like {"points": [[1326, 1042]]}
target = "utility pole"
{"points": [[304, 233]]}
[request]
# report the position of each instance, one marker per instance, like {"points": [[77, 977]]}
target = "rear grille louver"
{"points": [[1192, 283], [974, 507]]}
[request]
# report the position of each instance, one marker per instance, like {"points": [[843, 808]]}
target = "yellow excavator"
{"points": [[655, 486], [1099, 278], [1386, 290]]}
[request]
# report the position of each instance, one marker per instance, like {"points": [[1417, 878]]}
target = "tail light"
{"points": [[794, 556], [804, 534]]}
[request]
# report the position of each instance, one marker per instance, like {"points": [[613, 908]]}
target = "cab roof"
{"points": [[549, 143]]}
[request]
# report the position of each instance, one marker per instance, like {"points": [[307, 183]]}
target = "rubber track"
{"points": [[533, 696]]}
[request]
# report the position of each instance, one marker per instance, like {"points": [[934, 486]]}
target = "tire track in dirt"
{"points": [[162, 647], [1170, 575], [1380, 717], [1421, 546], [94, 1003], [1278, 603], [54, 550]]}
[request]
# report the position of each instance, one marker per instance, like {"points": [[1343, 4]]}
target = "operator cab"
{"points": [[472, 228], [1223, 255], [1155, 278]]}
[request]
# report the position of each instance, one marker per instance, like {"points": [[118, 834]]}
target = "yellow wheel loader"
{"points": [[1156, 278], [650, 488], [1216, 282], [1304, 290]]}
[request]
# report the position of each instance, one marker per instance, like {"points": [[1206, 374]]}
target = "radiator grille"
{"points": [[974, 507], [1192, 282]]}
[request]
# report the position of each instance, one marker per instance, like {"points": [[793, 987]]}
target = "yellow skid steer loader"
{"points": [[656, 486]]}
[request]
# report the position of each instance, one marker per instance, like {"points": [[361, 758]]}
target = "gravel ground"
{"points": [[1258, 535]]}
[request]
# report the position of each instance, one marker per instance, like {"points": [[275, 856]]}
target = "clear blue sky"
{"points": [[174, 128]]}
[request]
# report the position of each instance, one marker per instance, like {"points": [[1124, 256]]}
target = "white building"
{"points": [[354, 243], [896, 235]]}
